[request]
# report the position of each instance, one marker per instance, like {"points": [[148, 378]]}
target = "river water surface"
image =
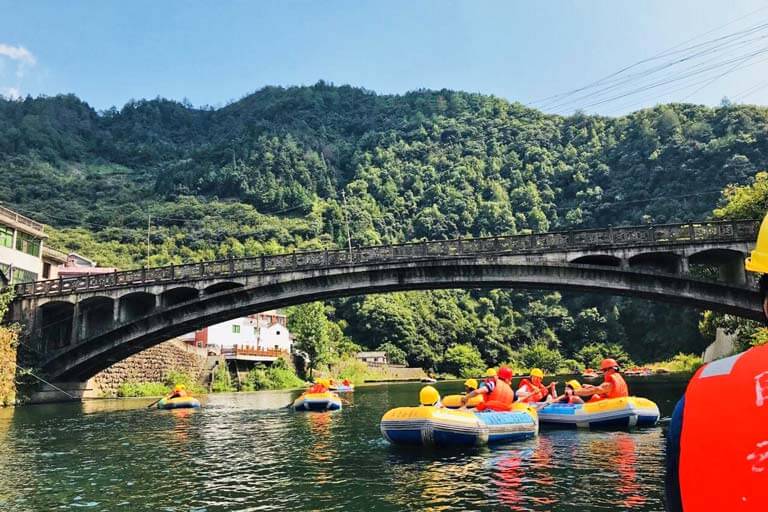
{"points": [[244, 452]]}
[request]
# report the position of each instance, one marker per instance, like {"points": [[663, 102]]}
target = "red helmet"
{"points": [[505, 373], [608, 363]]}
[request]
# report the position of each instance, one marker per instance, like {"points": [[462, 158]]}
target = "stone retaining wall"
{"points": [[151, 365], [392, 373]]}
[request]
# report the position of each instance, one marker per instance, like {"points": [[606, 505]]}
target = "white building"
{"points": [[266, 331], [21, 247]]}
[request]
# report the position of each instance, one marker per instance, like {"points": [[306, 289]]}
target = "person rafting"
{"points": [[346, 383], [429, 397], [533, 389], [498, 392], [613, 386], [179, 391], [470, 385], [569, 396], [319, 386]]}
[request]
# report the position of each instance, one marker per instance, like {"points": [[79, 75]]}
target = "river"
{"points": [[244, 452]]}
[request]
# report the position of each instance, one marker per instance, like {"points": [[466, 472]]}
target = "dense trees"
{"points": [[265, 174]]}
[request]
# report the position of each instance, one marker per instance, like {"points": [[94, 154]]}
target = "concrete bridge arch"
{"points": [[94, 353]]}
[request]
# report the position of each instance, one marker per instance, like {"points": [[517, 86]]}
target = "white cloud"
{"points": [[18, 53], [12, 93]]}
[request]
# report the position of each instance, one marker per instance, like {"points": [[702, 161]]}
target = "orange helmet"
{"points": [[505, 373], [608, 363]]}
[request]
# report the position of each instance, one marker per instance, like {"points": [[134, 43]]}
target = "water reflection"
{"points": [[248, 452]]}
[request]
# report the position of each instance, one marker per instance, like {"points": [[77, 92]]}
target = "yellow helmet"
{"points": [[470, 383], [574, 384], [428, 396], [490, 372], [537, 373], [758, 261]]}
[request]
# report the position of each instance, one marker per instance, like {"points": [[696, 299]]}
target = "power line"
{"points": [[703, 68], [619, 80], [727, 51], [657, 56]]}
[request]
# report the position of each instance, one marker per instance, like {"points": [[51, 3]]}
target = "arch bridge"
{"points": [[77, 327]]}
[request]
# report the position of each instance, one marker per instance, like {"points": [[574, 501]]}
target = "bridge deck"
{"points": [[660, 236]]}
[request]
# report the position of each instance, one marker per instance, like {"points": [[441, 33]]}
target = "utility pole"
{"points": [[346, 221], [149, 229]]}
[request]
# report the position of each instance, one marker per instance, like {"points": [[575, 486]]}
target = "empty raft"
{"points": [[612, 413], [436, 426], [326, 401]]}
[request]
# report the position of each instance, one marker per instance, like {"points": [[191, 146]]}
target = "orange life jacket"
{"points": [[500, 399], [540, 391], [739, 447], [619, 387]]}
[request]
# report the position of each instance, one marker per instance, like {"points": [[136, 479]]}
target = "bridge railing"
{"points": [[610, 238]]}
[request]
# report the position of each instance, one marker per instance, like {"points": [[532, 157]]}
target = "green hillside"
{"points": [[265, 174]]}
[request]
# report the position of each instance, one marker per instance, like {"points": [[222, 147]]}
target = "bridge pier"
{"points": [[734, 272], [58, 392]]}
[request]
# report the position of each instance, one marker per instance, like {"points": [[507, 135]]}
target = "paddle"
{"points": [[153, 403]]}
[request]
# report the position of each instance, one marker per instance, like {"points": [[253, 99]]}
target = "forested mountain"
{"points": [[265, 174]]}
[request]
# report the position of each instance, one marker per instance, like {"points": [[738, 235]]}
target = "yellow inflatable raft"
{"points": [[454, 401], [611, 413], [326, 401], [437, 426]]}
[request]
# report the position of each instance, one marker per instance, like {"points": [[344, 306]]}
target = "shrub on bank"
{"points": [[175, 377], [542, 357], [134, 389], [463, 360], [8, 343], [682, 363], [277, 376], [222, 379], [353, 370], [9, 338]]}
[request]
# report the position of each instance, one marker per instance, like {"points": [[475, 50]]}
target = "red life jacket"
{"points": [[740, 385]]}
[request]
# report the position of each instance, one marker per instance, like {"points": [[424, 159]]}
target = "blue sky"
{"points": [[108, 52]]}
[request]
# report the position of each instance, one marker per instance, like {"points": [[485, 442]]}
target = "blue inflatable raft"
{"points": [[437, 426]]}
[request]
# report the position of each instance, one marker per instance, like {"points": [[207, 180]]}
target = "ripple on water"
{"points": [[244, 452]]}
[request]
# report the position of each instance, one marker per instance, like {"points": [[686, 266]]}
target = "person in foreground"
{"points": [[498, 392], [715, 463], [613, 386]]}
